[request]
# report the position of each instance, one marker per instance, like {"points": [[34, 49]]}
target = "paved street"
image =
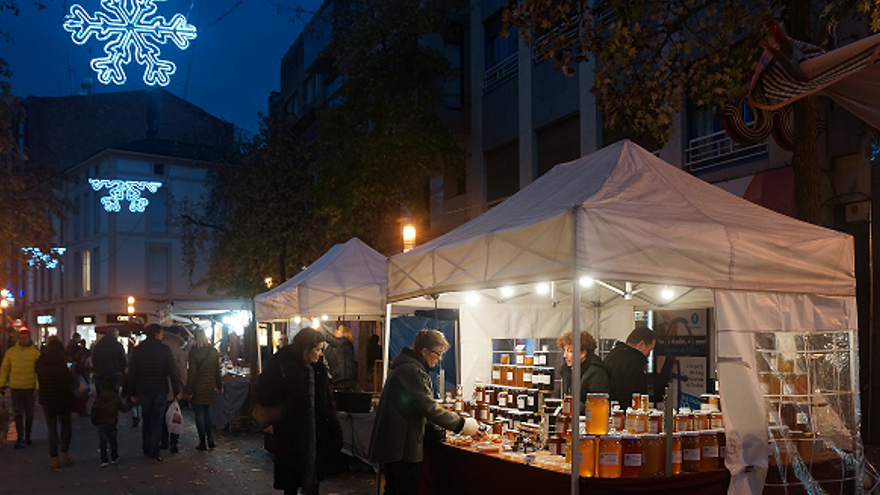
{"points": [[238, 465]]}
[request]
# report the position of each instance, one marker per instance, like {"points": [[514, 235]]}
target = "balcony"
{"points": [[716, 151], [501, 72]]}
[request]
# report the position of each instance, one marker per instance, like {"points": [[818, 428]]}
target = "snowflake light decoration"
{"points": [[128, 190], [132, 29], [38, 257]]}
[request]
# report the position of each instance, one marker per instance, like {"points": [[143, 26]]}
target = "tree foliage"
{"points": [[652, 55]]}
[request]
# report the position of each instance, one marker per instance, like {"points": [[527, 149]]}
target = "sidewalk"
{"points": [[239, 464]]}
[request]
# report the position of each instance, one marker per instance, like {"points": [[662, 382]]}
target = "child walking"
{"points": [[104, 415]]}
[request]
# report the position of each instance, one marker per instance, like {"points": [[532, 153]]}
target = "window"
{"points": [[502, 172], [453, 87], [558, 143], [159, 169], [498, 46], [158, 264], [157, 212], [78, 273], [94, 278], [86, 273]]}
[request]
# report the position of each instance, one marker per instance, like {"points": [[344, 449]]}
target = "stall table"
{"points": [[449, 469], [226, 406]]}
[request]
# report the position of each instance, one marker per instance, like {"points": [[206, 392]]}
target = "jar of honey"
{"points": [[496, 373], [518, 376], [636, 401], [587, 455], [554, 445], [479, 392], [636, 421], [617, 419], [610, 457], [482, 413], [566, 406], [596, 412], [644, 404], [680, 421], [716, 420], [701, 421], [489, 396], [631, 450], [653, 462], [527, 376], [676, 453], [530, 360], [505, 359], [502, 398], [709, 450], [520, 355], [511, 376], [722, 446], [690, 452], [655, 422]]}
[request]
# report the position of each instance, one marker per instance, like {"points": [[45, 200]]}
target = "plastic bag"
{"points": [[174, 419]]}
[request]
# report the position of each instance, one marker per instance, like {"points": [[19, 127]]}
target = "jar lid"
{"points": [[598, 395], [588, 437], [608, 438], [690, 433], [708, 432], [656, 414], [629, 436], [651, 436]]}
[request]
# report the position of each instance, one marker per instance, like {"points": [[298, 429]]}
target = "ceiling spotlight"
{"points": [[586, 282], [324, 317], [506, 291], [472, 298], [297, 319], [542, 288], [667, 293]]}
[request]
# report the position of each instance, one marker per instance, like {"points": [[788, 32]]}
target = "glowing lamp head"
{"points": [[268, 282], [324, 317], [297, 320], [506, 291], [4, 303], [542, 288], [409, 237], [472, 298], [130, 300], [586, 282], [667, 293]]}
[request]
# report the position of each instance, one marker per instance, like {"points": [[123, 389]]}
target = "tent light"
{"points": [[507, 291], [324, 317], [316, 323], [667, 293], [586, 282], [542, 288], [297, 319], [472, 298]]}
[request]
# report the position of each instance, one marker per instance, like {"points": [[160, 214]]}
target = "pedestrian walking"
{"points": [[173, 337], [308, 431], [56, 398], [18, 370], [108, 359], [202, 381], [151, 368], [105, 415], [407, 402]]}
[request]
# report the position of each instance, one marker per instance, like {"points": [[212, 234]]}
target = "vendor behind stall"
{"points": [[628, 362], [339, 354], [594, 373]]}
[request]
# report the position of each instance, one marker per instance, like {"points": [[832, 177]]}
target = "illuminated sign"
{"points": [[47, 260], [45, 319], [125, 318], [85, 320], [131, 31], [127, 190]]}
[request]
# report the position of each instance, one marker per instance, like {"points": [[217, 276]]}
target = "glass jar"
{"points": [[701, 421], [527, 376], [482, 413], [532, 400], [680, 421], [563, 425], [631, 450], [716, 420], [518, 376], [520, 355], [489, 396], [502, 398], [722, 446], [636, 421], [636, 401], [655, 422], [511, 375], [479, 392], [690, 451], [554, 445], [522, 400], [505, 359], [587, 455], [496, 373], [566, 406], [617, 419], [596, 414], [530, 360], [652, 446], [709, 450], [610, 457], [644, 404]]}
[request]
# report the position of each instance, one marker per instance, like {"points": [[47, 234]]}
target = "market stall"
{"points": [[782, 294]]}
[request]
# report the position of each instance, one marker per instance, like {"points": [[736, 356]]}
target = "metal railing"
{"points": [[501, 72], [717, 150]]}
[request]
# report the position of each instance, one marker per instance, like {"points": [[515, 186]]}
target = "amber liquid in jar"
{"points": [[505, 359], [716, 420], [511, 376], [631, 449], [530, 360], [502, 398], [701, 421], [617, 419], [655, 422], [518, 376], [676, 453], [636, 421], [587, 453], [496, 373], [709, 450], [652, 446], [596, 413], [609, 460], [690, 452]]}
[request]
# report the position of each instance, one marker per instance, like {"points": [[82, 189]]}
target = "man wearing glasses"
{"points": [[407, 402]]}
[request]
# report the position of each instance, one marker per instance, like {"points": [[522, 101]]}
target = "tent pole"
{"points": [[386, 335], [575, 385]]}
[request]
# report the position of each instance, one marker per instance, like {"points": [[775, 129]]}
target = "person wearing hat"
{"points": [[18, 369]]}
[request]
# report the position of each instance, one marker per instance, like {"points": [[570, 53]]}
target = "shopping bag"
{"points": [[174, 419]]}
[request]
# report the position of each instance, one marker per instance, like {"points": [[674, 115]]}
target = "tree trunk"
{"points": [[805, 162]]}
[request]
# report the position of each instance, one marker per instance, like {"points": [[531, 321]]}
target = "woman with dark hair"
{"points": [[594, 373], [308, 431], [56, 396]]}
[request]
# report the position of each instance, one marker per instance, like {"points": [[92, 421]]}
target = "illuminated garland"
{"points": [[124, 190], [38, 256]]}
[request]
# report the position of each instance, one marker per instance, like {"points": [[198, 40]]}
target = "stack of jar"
{"points": [[514, 394]]}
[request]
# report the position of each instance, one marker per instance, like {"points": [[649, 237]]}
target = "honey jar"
{"points": [[596, 414], [680, 421], [701, 421], [655, 422], [709, 450], [502, 398], [518, 376], [631, 450], [527, 376], [636, 401], [636, 421], [479, 392], [716, 420], [609, 458], [482, 413], [722, 446], [566, 406], [690, 452], [505, 359], [510, 371], [676, 453], [587, 455], [644, 404], [489, 396], [554, 444], [530, 360], [496, 373], [520, 355], [652, 447], [617, 419]]}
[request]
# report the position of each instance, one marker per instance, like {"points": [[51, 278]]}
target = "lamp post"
{"points": [[409, 237]]}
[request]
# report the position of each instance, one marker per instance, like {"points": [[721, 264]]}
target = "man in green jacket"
{"points": [[407, 402], [18, 369]]}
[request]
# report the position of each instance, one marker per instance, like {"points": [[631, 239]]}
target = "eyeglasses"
{"points": [[439, 354]]}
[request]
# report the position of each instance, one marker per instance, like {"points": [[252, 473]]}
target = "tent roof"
{"points": [[210, 307], [349, 279], [622, 213]]}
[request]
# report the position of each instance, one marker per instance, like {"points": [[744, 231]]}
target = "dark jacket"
{"points": [[407, 402], [285, 382], [627, 366], [152, 365], [108, 358], [594, 378], [107, 406], [56, 382], [203, 375], [339, 354]]}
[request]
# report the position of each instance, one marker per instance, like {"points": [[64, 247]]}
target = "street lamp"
{"points": [[3, 305], [409, 237], [130, 305]]}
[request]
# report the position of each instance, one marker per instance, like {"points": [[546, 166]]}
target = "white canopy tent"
{"points": [[635, 224]]}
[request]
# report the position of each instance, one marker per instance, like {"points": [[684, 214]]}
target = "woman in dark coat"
{"points": [[56, 397], [203, 379], [308, 431], [594, 373]]}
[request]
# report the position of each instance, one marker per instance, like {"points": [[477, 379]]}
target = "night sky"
{"points": [[228, 70]]}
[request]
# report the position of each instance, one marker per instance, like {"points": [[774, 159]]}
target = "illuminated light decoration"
{"points": [[507, 291], [38, 256], [542, 288], [667, 293], [131, 30], [586, 282], [297, 319], [472, 298], [128, 190]]}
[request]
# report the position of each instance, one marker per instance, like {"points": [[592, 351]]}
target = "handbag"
{"points": [[267, 416]]}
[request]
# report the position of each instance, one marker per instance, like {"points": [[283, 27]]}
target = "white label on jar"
{"points": [[632, 459], [676, 457], [616, 422], [502, 400], [710, 451], [630, 424], [609, 458], [521, 401], [530, 400], [520, 359], [527, 376], [691, 454], [509, 376], [653, 427], [496, 375]]}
